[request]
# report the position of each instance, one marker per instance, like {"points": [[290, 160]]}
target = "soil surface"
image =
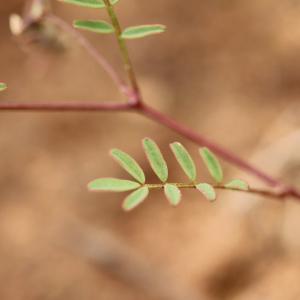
{"points": [[228, 69]]}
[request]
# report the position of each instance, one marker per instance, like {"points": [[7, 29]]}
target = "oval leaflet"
{"points": [[141, 31], [129, 164], [172, 193], [207, 190], [135, 198], [156, 159], [212, 164], [94, 26], [185, 160], [112, 185]]}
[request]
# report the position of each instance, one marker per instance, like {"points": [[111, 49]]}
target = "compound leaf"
{"points": [[212, 164], [207, 190], [237, 184], [185, 160], [113, 185], [129, 164], [172, 193], [3, 86], [94, 26], [156, 159], [89, 3], [135, 198], [141, 31]]}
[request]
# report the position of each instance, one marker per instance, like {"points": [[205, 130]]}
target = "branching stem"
{"points": [[91, 50], [135, 104]]}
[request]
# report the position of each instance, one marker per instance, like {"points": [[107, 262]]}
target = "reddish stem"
{"points": [[136, 104], [95, 54], [65, 106], [203, 141], [162, 119]]}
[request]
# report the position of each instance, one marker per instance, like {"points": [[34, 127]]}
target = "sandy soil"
{"points": [[230, 71]]}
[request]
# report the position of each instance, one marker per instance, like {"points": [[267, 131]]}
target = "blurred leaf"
{"points": [[113, 185], [89, 3], [156, 159], [94, 26], [172, 193], [237, 184], [129, 164], [185, 160], [3, 86], [135, 198], [136, 32], [207, 190], [212, 164]]}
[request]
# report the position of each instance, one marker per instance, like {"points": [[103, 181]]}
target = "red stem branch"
{"points": [[164, 120], [140, 107], [225, 154], [203, 141], [91, 50], [65, 106]]}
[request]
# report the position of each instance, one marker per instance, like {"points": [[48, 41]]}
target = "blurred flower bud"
{"points": [[37, 10], [16, 24]]}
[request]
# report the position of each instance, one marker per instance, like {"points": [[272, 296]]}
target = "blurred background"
{"points": [[228, 69]]}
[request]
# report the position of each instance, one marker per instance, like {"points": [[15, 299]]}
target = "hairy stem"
{"points": [[135, 95]]}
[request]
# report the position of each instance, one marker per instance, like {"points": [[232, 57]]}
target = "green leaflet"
{"points": [[129, 164], [207, 190], [172, 193], [212, 164], [185, 160], [3, 86], [113, 185], [135, 198], [89, 3], [237, 184], [94, 26], [141, 31], [156, 159]]}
